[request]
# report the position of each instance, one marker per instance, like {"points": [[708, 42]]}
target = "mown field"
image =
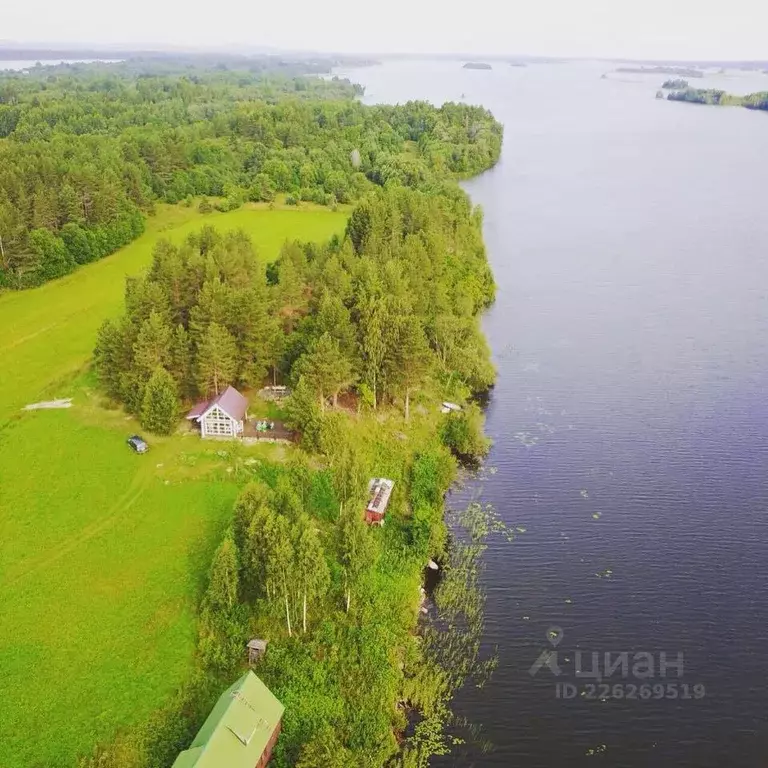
{"points": [[102, 552]]}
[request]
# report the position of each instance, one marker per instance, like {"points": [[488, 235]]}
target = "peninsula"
{"points": [[259, 258], [714, 97]]}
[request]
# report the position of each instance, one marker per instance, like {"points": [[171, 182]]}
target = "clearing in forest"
{"points": [[49, 332]]}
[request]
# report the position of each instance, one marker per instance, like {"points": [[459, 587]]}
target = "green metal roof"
{"points": [[238, 728]]}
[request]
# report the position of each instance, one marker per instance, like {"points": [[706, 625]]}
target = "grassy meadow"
{"points": [[48, 332], [102, 552]]}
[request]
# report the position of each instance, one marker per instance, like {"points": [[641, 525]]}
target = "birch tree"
{"points": [[224, 582], [280, 561], [356, 550], [348, 477], [313, 577]]}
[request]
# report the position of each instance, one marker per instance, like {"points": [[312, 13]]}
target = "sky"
{"points": [[664, 29]]}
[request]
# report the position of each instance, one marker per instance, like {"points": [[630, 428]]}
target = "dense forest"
{"points": [[392, 303], [85, 152]]}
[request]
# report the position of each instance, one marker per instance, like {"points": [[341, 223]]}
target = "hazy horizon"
{"points": [[653, 29]]}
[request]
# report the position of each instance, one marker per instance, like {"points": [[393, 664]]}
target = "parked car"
{"points": [[138, 444]]}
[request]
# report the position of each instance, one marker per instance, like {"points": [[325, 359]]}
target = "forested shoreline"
{"points": [[372, 331], [86, 151], [715, 97], [385, 319]]}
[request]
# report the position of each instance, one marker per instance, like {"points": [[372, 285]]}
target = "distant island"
{"points": [[477, 65], [675, 85], [517, 64], [679, 71], [714, 97]]}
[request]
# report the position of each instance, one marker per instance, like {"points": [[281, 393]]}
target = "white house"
{"points": [[224, 416]]}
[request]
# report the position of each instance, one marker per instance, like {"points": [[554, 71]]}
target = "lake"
{"points": [[629, 240]]}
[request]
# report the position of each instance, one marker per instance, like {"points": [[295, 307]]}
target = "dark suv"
{"points": [[138, 444]]}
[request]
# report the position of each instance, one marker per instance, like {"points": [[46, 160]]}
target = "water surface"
{"points": [[628, 240]]}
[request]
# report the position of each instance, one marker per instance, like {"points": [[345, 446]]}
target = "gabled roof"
{"points": [[198, 410], [238, 729], [230, 401]]}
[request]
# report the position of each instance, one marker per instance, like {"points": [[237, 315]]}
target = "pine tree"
{"points": [[303, 413], [372, 345], [153, 345], [181, 360], [113, 355], [325, 369], [412, 357], [216, 359], [257, 577], [160, 407], [334, 318]]}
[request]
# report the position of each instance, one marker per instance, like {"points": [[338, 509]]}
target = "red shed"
{"points": [[380, 489]]}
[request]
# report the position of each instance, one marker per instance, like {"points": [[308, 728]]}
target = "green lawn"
{"points": [[102, 552], [47, 334], [100, 569]]}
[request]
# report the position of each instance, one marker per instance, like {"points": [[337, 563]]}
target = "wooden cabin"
{"points": [[241, 730], [224, 416], [380, 490]]}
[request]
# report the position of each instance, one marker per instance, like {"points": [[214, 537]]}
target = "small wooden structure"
{"points": [[380, 489], [224, 416], [276, 392], [241, 730], [256, 649]]}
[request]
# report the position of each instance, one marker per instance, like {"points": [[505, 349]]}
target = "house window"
{"points": [[217, 423]]}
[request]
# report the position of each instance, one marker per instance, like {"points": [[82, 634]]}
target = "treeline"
{"points": [[717, 97], [138, 62], [91, 149], [384, 310]]}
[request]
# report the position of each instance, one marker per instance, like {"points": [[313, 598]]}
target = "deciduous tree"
{"points": [[312, 575], [356, 550]]}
